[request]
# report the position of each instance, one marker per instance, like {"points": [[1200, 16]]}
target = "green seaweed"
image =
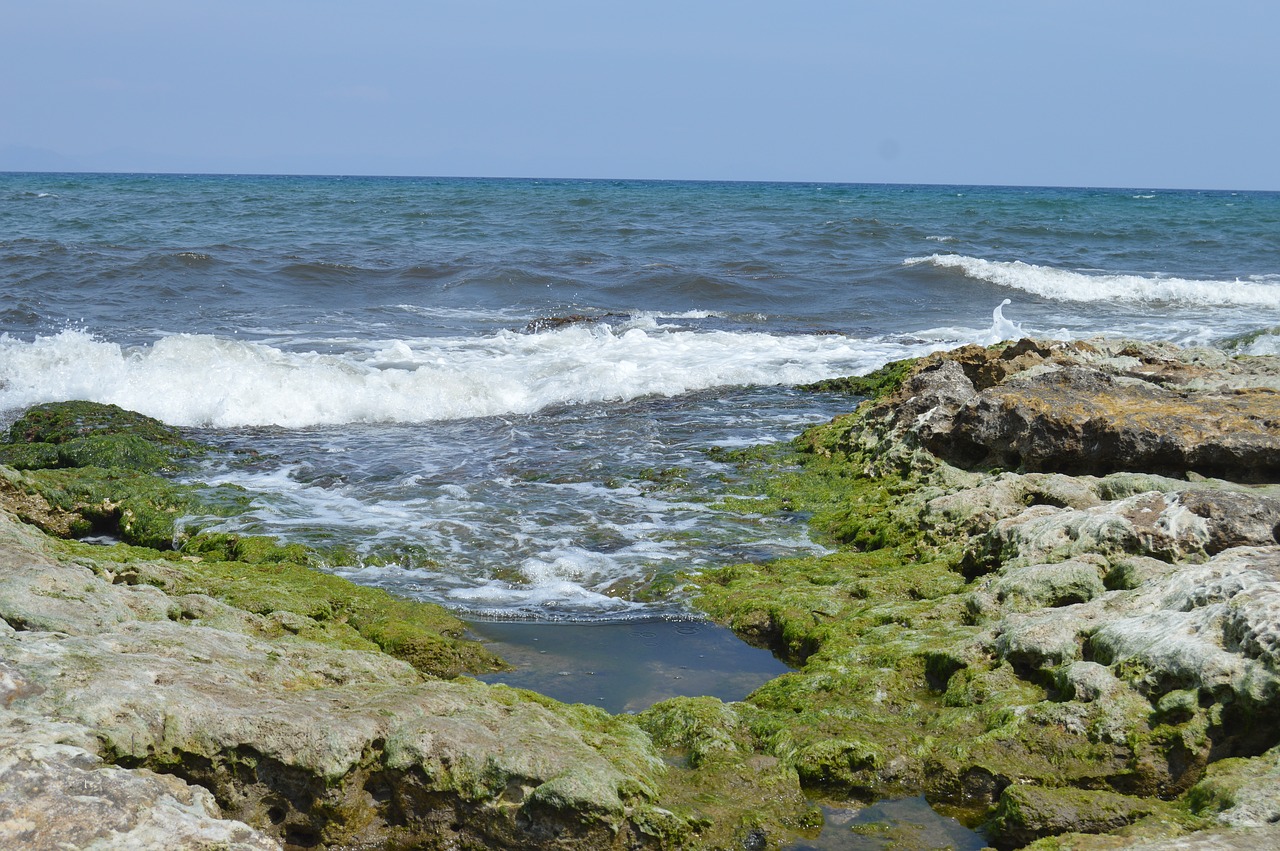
{"points": [[874, 385], [139, 508], [90, 434], [298, 598], [898, 691]]}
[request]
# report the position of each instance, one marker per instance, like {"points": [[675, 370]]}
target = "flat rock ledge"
{"points": [[105, 683]]}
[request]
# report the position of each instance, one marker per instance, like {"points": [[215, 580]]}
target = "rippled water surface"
{"points": [[500, 393]]}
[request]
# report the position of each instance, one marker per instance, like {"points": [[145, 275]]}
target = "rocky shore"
{"points": [[1051, 605]]}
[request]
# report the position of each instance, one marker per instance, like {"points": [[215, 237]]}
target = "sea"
{"points": [[505, 395], [511, 397]]}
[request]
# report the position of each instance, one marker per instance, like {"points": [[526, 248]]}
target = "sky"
{"points": [[1131, 93]]}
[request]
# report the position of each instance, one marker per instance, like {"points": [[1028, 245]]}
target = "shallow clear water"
{"points": [[629, 666], [903, 823]]}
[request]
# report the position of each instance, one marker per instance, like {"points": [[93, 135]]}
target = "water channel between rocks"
{"points": [[627, 666]]}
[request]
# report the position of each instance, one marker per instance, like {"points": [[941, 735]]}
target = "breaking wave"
{"points": [[1066, 285], [204, 380]]}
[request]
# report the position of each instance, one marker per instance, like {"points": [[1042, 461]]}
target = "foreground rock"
{"points": [[314, 744]]}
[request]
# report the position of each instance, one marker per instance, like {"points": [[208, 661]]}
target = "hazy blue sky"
{"points": [[1146, 93]]}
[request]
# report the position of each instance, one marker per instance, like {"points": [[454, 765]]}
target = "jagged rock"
{"points": [[1092, 408], [1039, 586], [57, 796], [1177, 525], [1087, 681], [1211, 627], [56, 793], [979, 635], [1077, 420]]}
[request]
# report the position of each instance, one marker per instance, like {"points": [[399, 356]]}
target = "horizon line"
{"points": [[564, 179]]}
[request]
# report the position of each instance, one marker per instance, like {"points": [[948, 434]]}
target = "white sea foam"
{"points": [[201, 380], [1001, 328], [1263, 344], [1066, 285]]}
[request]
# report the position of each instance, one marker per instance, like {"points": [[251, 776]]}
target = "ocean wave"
{"points": [[1066, 285], [203, 380], [1260, 341]]}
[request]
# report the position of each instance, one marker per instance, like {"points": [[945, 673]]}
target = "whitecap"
{"points": [[1002, 328], [1067, 285], [204, 380]]}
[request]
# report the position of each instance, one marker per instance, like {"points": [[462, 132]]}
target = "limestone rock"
{"points": [[1087, 681], [317, 745], [56, 793], [1039, 586], [1079, 421], [1092, 408], [55, 796]]}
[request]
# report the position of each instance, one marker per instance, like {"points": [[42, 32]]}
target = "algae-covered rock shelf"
{"points": [[1050, 604], [1059, 654]]}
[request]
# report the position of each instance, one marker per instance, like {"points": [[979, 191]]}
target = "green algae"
{"points": [[899, 689], [1027, 813], [101, 478], [89, 434], [139, 508], [718, 783], [87, 468], [298, 599], [874, 385]]}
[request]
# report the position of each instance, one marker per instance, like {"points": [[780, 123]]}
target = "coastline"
{"points": [[1084, 660]]}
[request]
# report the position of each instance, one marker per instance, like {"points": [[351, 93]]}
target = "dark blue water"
{"points": [[133, 257]]}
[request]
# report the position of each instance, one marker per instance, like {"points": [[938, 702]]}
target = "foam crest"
{"points": [[1064, 285], [202, 380]]}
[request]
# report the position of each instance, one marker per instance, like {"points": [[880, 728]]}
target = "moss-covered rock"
{"points": [[90, 434], [89, 468], [139, 508], [875, 384], [1027, 813], [298, 599], [977, 631], [715, 765], [1063, 653]]}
